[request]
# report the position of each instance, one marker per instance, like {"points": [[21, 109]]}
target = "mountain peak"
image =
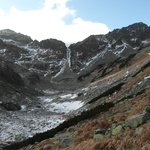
{"points": [[8, 34]]}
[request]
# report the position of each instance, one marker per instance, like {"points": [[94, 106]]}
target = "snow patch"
{"points": [[148, 77], [66, 107], [145, 42], [124, 45], [69, 56], [69, 96], [23, 107], [139, 83]]}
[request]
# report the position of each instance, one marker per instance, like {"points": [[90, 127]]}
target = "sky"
{"points": [[70, 20]]}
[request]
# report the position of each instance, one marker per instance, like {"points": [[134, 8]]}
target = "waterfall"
{"points": [[69, 56]]}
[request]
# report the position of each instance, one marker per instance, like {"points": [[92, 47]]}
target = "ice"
{"points": [[66, 107], [63, 65], [74, 96], [148, 77], [134, 39], [119, 51], [23, 107], [145, 42], [94, 59], [69, 56], [69, 96], [85, 89]]}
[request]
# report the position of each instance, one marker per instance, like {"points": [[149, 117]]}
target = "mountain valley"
{"points": [[94, 94]]}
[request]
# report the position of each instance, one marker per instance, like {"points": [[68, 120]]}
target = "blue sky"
{"points": [[71, 20], [114, 13]]}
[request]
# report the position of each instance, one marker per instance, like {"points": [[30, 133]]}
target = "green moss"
{"points": [[117, 130], [134, 121], [98, 137]]}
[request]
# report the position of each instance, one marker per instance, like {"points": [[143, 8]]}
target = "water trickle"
{"points": [[69, 56]]}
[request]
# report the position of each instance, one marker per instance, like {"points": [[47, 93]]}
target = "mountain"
{"points": [[105, 50], [78, 96]]}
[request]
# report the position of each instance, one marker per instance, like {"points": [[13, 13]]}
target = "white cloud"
{"points": [[49, 22]]}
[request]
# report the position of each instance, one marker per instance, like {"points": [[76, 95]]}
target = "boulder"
{"points": [[97, 136], [64, 139], [137, 120], [47, 147], [99, 133], [10, 106], [117, 130]]}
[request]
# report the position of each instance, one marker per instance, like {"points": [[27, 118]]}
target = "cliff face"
{"points": [[105, 49]]}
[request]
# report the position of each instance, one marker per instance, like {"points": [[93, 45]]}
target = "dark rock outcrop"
{"points": [[10, 106], [8, 34], [8, 74], [104, 50]]}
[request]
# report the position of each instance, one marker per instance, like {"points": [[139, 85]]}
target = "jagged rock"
{"points": [[10, 106], [34, 44], [8, 74], [117, 130], [33, 78], [2, 44], [53, 44]]}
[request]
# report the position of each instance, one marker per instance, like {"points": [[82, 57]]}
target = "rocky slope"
{"points": [[104, 49], [116, 114], [43, 84]]}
